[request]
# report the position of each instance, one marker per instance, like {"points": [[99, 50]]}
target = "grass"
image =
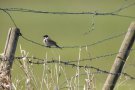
{"points": [[56, 76], [53, 76]]}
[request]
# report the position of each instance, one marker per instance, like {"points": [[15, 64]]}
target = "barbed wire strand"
{"points": [[102, 56], [74, 65], [85, 59], [71, 64], [80, 66], [46, 12], [113, 13], [68, 63], [9, 16], [95, 43], [5, 10]]}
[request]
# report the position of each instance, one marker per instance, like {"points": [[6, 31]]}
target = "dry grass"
{"points": [[52, 80]]}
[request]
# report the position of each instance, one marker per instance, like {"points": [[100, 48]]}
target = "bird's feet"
{"points": [[48, 46]]}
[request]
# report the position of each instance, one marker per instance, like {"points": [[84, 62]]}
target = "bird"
{"points": [[49, 42]]}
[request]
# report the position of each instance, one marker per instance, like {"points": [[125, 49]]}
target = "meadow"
{"points": [[68, 30]]}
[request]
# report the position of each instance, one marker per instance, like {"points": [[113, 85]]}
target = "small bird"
{"points": [[49, 42]]}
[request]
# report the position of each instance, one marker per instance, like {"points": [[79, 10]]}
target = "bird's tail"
{"points": [[58, 46]]}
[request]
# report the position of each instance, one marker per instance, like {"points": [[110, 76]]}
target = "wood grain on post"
{"points": [[7, 59], [120, 58]]}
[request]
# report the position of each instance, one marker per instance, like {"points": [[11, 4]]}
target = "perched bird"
{"points": [[49, 42]]}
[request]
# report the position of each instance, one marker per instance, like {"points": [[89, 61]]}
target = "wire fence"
{"points": [[68, 63], [72, 63], [36, 60]]}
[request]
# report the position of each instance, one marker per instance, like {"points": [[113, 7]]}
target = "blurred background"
{"points": [[71, 30]]}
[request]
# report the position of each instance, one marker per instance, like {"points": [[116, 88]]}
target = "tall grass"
{"points": [[53, 77]]}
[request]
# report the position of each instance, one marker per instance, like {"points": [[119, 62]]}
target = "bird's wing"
{"points": [[52, 42]]}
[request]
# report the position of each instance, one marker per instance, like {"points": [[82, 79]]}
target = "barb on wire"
{"points": [[95, 43], [113, 13], [9, 16]]}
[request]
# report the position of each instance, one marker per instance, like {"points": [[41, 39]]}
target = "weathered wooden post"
{"points": [[120, 58], [7, 59]]}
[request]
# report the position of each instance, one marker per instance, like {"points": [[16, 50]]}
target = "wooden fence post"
{"points": [[7, 59], [120, 58]]}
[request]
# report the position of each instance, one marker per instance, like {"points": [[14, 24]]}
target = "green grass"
{"points": [[68, 30]]}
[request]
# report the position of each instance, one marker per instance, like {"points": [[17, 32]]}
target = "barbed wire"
{"points": [[41, 61], [70, 63], [34, 11], [98, 70], [80, 46], [95, 58], [27, 10], [74, 65], [101, 56], [113, 13], [84, 59], [47, 12]]}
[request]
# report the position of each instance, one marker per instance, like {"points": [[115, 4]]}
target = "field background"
{"points": [[68, 30]]}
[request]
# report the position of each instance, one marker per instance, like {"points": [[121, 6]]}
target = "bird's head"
{"points": [[45, 36]]}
